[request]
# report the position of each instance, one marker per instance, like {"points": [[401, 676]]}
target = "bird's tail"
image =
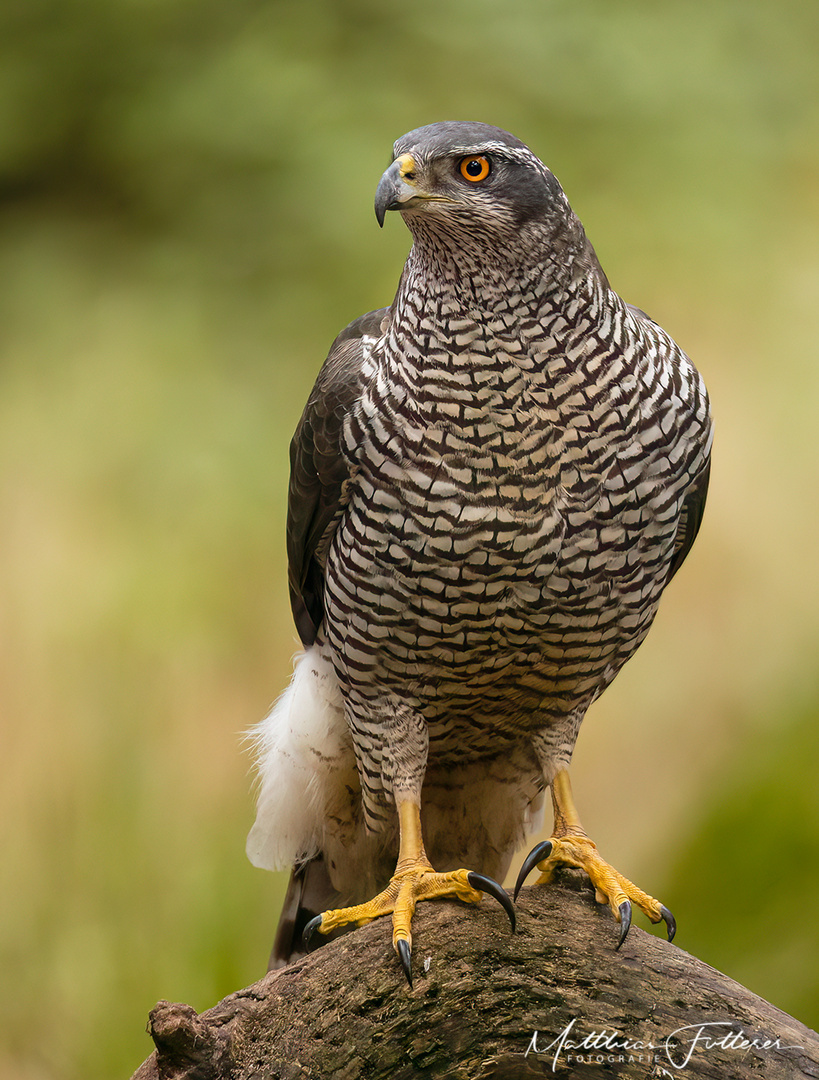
{"points": [[309, 892]]}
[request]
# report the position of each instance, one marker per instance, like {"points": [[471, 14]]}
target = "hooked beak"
{"points": [[397, 187]]}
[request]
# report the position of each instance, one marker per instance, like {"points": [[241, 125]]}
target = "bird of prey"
{"points": [[492, 483]]}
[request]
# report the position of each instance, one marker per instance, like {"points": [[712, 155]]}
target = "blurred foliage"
{"points": [[751, 856], [185, 223]]}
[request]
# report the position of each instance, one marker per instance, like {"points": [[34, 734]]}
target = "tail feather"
{"points": [[309, 892]]}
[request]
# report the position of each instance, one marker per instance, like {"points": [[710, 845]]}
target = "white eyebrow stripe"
{"points": [[494, 147]]}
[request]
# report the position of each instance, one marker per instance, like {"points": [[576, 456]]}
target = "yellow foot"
{"points": [[407, 886], [610, 886]]}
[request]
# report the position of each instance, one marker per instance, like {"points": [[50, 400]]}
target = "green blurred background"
{"points": [[185, 223]]}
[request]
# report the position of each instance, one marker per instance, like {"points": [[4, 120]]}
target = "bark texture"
{"points": [[482, 998]]}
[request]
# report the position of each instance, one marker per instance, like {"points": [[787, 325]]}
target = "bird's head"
{"points": [[467, 178]]}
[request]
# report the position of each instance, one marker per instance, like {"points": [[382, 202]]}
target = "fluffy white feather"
{"points": [[303, 751]]}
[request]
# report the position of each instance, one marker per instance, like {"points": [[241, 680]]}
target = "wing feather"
{"points": [[318, 471], [690, 520]]}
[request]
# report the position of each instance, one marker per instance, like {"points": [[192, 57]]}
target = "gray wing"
{"points": [[690, 519], [318, 471]]}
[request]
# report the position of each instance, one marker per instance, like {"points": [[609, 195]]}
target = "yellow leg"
{"points": [[414, 879], [570, 845]]}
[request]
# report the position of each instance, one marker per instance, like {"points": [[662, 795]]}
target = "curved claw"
{"points": [[402, 947], [488, 885], [625, 921], [669, 920], [538, 853], [307, 933]]}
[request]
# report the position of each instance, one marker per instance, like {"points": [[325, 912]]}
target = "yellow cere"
{"points": [[406, 165]]}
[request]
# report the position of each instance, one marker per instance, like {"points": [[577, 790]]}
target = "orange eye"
{"points": [[475, 169]]}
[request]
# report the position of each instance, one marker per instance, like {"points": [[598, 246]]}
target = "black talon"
{"points": [[308, 931], [487, 885], [625, 921], [670, 921], [402, 947], [537, 854]]}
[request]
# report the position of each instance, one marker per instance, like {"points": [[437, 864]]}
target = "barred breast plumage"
{"points": [[493, 482]]}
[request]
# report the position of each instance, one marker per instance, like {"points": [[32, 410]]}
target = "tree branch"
{"points": [[482, 998]]}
